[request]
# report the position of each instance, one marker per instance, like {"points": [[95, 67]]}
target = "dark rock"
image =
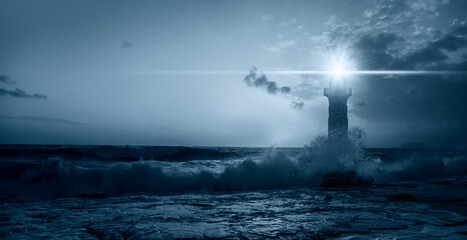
{"points": [[402, 197], [344, 179]]}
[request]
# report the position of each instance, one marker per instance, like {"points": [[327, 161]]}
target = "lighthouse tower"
{"points": [[337, 93]]}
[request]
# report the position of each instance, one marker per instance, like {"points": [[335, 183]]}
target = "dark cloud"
{"points": [[376, 51], [256, 80], [126, 44], [383, 51], [260, 80], [45, 119], [434, 54], [369, 49], [285, 89], [18, 93], [6, 79], [451, 43], [298, 104]]}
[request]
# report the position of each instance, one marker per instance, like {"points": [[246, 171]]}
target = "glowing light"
{"points": [[287, 72], [338, 69]]}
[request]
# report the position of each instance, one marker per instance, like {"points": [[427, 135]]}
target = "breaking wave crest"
{"points": [[54, 178]]}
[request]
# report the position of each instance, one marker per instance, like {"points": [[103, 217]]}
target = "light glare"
{"points": [[338, 69], [284, 72]]}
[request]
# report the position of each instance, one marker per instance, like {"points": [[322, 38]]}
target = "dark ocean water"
{"points": [[122, 192]]}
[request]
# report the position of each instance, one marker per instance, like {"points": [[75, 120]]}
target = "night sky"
{"points": [[191, 72]]}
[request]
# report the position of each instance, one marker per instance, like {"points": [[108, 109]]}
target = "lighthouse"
{"points": [[337, 94]]}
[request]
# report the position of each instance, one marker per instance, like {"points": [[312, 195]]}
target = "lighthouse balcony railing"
{"points": [[348, 92]]}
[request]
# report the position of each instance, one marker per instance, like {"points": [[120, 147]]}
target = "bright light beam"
{"points": [[336, 70], [369, 72]]}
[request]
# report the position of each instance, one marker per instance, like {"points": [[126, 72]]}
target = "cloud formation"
{"points": [[260, 80], [254, 79], [298, 104], [6, 79], [126, 44], [18, 93]]}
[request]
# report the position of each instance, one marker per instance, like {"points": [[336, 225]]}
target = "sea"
{"points": [[154, 192]]}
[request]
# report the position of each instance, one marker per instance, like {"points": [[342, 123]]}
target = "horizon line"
{"points": [[291, 72]]}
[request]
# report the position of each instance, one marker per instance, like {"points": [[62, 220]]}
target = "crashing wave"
{"points": [[320, 163]]}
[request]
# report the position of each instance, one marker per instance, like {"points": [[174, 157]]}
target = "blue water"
{"points": [[123, 192]]}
